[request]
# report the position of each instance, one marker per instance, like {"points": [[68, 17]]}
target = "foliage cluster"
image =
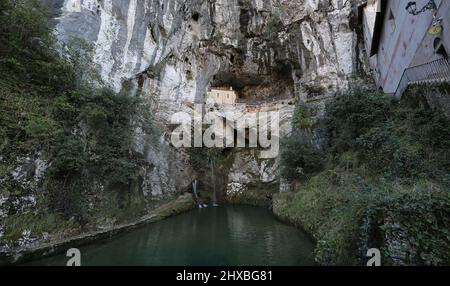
{"points": [[52, 102], [381, 180]]}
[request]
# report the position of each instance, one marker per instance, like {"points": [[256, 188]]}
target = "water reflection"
{"points": [[228, 235]]}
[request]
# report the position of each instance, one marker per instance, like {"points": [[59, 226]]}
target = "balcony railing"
{"points": [[263, 101], [432, 72]]}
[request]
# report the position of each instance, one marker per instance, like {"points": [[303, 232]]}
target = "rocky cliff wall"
{"points": [[169, 52], [172, 51]]}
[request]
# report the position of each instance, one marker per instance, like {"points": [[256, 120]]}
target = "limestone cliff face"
{"points": [[171, 52]]}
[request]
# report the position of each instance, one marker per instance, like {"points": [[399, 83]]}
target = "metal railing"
{"points": [[263, 101], [432, 72]]}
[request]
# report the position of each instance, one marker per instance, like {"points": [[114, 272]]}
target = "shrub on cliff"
{"points": [[353, 114], [300, 158]]}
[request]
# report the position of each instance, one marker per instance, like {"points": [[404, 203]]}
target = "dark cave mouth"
{"points": [[251, 86], [195, 16]]}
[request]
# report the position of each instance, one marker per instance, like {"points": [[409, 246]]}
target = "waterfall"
{"points": [[197, 198], [194, 188], [214, 184]]}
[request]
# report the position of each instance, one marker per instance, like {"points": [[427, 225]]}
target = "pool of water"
{"points": [[222, 236]]}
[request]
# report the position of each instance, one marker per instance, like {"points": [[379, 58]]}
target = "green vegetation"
{"points": [[52, 102], [300, 158], [37, 223], [274, 24], [304, 117], [382, 181]]}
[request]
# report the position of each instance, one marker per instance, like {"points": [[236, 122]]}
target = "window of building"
{"points": [[437, 41], [439, 48], [391, 15], [196, 16], [442, 51]]}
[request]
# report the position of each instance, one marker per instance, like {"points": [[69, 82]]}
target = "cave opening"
{"points": [[196, 16], [283, 71], [248, 86]]}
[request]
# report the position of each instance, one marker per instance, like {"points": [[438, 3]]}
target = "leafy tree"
{"points": [[70, 157], [351, 115]]}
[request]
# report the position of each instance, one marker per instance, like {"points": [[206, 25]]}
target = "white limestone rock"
{"points": [[169, 52]]}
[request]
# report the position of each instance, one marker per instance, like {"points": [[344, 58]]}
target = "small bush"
{"points": [[303, 117], [300, 158], [70, 157], [40, 127], [352, 115]]}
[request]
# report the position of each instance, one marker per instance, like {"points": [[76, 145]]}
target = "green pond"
{"points": [[222, 236]]}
